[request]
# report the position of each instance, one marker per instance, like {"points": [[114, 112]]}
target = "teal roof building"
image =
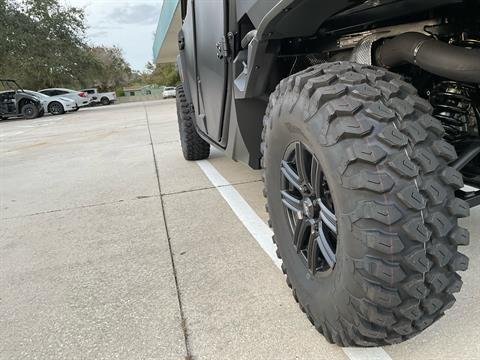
{"points": [[165, 45]]}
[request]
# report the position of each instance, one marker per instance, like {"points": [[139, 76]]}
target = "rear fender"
{"points": [[298, 18], [287, 19]]}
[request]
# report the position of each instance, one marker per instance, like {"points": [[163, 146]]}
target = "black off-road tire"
{"points": [[105, 101], [387, 168], [193, 146], [30, 111]]}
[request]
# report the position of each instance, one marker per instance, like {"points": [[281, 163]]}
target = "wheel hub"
{"points": [[309, 208]]}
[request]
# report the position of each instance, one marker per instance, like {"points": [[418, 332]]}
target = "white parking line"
{"points": [[259, 230], [263, 235]]}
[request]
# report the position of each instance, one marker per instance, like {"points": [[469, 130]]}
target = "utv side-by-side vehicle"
{"points": [[15, 102], [365, 118]]}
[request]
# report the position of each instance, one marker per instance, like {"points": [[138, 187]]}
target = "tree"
{"points": [[162, 74], [115, 71], [166, 74], [149, 67], [43, 45]]}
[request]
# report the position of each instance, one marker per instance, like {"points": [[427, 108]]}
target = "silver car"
{"points": [[55, 105], [80, 97]]}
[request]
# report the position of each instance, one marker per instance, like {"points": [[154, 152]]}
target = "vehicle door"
{"points": [[7, 102], [212, 69]]}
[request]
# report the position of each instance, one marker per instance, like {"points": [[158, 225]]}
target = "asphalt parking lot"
{"points": [[113, 246]]}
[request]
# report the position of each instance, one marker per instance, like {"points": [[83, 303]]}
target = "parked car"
{"points": [[364, 116], [80, 97], [14, 102], [95, 97], [55, 105], [169, 92]]}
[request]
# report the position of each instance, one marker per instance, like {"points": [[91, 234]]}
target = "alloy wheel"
{"points": [[309, 208], [56, 109]]}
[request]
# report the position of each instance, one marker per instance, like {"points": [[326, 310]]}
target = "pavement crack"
{"points": [[64, 209], [188, 191], [239, 183], [211, 187], [177, 287], [167, 142], [141, 197]]}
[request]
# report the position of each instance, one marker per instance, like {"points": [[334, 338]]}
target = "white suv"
{"points": [[169, 92]]}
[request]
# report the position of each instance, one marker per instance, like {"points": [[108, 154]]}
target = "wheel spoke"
{"points": [[325, 249], [292, 203], [291, 176], [315, 176], [300, 161], [328, 218], [312, 253], [299, 234]]}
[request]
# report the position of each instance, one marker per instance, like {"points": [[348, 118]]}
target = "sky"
{"points": [[129, 24]]}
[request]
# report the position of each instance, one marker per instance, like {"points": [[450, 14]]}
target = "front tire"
{"points": [[366, 139], [56, 108], [193, 146], [30, 111]]}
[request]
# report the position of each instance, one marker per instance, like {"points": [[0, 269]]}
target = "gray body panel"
{"points": [[211, 71]]}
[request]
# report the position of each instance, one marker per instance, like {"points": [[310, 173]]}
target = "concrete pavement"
{"points": [[103, 256]]}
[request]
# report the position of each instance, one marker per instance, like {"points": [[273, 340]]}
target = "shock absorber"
{"points": [[456, 105]]}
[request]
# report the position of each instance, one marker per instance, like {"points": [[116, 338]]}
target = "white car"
{"points": [[55, 105], [79, 97], [100, 98], [169, 92]]}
